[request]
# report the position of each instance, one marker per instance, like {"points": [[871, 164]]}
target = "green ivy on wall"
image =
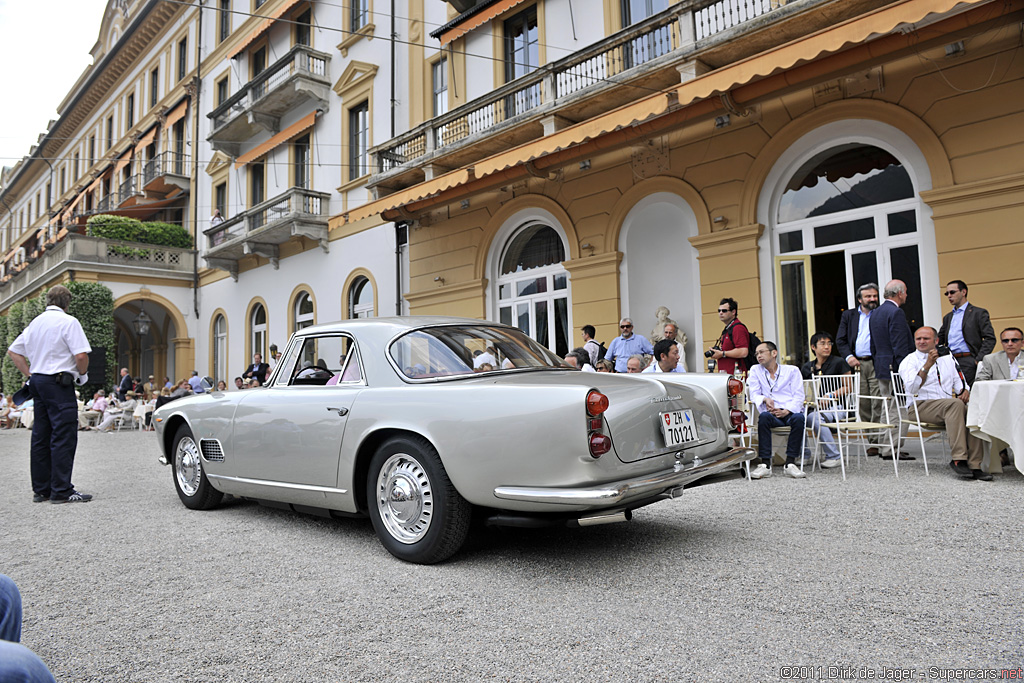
{"points": [[93, 305]]}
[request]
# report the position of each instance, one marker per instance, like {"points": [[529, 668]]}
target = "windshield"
{"points": [[467, 349]]}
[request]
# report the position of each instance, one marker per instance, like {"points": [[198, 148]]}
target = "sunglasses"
{"points": [[1011, 340], [952, 292], [724, 310], [625, 327]]}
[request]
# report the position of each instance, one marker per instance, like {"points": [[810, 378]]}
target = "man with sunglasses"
{"points": [[734, 344], [1003, 364], [627, 344], [966, 330]]}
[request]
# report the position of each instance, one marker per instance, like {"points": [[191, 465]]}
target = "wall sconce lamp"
{"points": [[464, 203], [589, 247], [585, 165], [720, 220], [722, 121], [439, 280]]}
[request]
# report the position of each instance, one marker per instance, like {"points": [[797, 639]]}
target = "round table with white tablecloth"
{"points": [[996, 413]]}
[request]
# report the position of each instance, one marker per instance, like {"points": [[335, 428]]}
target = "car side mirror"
{"points": [[207, 383]]}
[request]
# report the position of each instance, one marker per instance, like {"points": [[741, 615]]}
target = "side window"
{"points": [[322, 361]]}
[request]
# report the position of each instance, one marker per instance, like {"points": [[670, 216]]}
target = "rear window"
{"points": [[457, 350]]}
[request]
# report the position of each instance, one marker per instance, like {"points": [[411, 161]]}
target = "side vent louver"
{"points": [[211, 450]]}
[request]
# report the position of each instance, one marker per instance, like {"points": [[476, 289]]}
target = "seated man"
{"points": [[666, 357], [824, 363], [937, 389], [1003, 364], [778, 394], [635, 364], [124, 408], [94, 410]]}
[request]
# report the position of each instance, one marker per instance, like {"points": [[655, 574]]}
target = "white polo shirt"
{"points": [[51, 342]]}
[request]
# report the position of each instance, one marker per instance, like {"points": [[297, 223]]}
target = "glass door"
{"points": [[795, 308]]}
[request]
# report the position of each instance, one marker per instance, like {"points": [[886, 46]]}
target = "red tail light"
{"points": [[737, 417], [597, 403], [599, 444], [735, 386]]}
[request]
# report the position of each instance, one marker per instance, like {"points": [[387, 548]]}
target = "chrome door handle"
{"points": [[342, 412]]}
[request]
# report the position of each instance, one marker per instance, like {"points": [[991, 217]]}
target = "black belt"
{"points": [[863, 357], [966, 354]]}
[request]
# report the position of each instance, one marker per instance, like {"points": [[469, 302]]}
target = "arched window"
{"points": [[360, 298], [533, 287], [845, 217], [258, 326], [303, 311], [220, 348]]}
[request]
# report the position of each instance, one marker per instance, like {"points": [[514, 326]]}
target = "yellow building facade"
{"points": [[733, 184]]}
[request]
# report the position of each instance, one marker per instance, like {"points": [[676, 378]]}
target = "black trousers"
{"points": [[54, 437]]}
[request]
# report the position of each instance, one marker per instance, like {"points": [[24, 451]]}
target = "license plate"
{"points": [[679, 428]]}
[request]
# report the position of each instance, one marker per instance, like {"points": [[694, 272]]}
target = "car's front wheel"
{"points": [[190, 480], [416, 511]]}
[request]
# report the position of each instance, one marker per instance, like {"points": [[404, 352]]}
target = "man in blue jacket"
{"points": [[891, 342]]}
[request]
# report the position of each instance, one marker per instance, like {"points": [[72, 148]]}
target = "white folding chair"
{"points": [[913, 419], [751, 429], [840, 396]]}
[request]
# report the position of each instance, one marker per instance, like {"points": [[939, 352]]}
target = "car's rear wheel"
{"points": [[190, 480], [416, 511]]}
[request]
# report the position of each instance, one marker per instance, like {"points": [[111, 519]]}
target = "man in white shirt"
{"points": [[58, 351], [935, 386], [591, 345], [666, 357], [777, 391]]}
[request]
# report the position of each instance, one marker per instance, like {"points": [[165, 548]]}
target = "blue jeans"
{"points": [[766, 421], [825, 438], [18, 664], [54, 437]]}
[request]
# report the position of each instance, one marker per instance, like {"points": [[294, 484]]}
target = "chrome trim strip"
{"points": [[277, 484], [615, 492]]}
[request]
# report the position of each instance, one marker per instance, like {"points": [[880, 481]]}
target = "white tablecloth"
{"points": [[997, 410]]}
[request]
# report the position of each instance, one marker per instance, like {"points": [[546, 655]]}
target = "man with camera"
{"points": [[734, 344], [55, 345], [935, 385]]}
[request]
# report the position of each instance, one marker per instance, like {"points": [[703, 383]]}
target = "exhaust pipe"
{"points": [[605, 518]]}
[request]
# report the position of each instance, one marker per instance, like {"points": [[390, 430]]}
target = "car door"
{"points": [[291, 431]]}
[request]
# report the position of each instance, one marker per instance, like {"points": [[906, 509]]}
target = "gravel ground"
{"points": [[733, 582]]}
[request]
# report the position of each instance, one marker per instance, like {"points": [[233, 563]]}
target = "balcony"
{"points": [[298, 76], [97, 255], [683, 41], [263, 228], [130, 191], [166, 173]]}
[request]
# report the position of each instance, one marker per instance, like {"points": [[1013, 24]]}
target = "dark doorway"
{"points": [[830, 290]]}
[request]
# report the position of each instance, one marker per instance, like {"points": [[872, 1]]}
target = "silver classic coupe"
{"points": [[423, 422]]}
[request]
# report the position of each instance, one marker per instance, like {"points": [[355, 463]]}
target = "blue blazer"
{"points": [[891, 340]]}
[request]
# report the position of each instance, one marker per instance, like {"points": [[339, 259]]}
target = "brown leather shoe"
{"points": [[873, 452]]}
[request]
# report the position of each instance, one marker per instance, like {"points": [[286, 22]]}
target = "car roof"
{"points": [[394, 324]]}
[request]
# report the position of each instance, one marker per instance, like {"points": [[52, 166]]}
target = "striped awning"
{"points": [[284, 136], [267, 22]]}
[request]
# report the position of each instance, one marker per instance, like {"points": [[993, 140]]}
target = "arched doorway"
{"points": [[660, 268], [146, 340], [842, 208]]}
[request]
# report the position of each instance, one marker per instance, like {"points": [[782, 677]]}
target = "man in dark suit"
{"points": [[966, 330], [257, 371], [853, 342], [126, 384], [891, 342]]}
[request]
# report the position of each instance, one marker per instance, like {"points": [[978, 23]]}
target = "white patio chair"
{"points": [[913, 419], [750, 423], [840, 395]]}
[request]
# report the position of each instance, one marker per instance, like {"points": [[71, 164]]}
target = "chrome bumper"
{"points": [[613, 493]]}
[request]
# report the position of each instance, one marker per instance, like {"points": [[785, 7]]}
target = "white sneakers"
{"points": [[829, 464], [760, 472], [792, 470]]}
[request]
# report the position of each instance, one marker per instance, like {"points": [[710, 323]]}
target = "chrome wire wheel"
{"points": [[405, 499], [187, 466]]}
